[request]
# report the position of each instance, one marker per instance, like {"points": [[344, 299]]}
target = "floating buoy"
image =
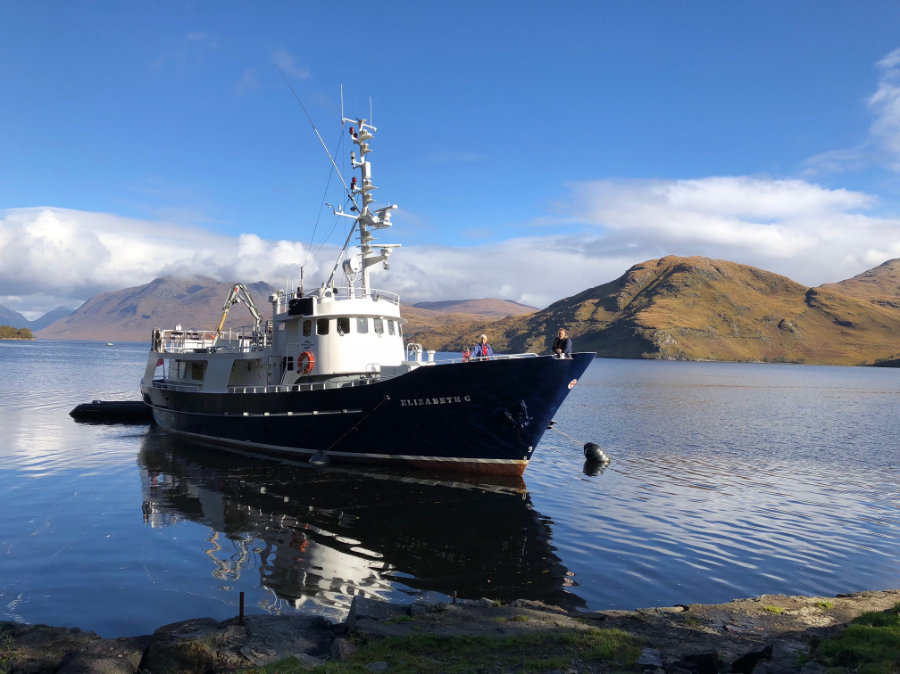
{"points": [[319, 459], [592, 452]]}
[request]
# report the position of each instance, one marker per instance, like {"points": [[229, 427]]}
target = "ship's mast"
{"points": [[367, 219]]}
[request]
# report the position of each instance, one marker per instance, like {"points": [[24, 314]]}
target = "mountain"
{"points": [[433, 323], [685, 308], [12, 318], [48, 318], [484, 307], [880, 286], [130, 315], [697, 308], [17, 320]]}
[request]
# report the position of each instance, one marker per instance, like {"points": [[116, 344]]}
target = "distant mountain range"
{"points": [[130, 315], [680, 308], [16, 320]]}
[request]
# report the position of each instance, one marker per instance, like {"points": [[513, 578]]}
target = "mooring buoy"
{"points": [[592, 452]]}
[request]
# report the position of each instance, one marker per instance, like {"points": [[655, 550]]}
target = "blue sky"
{"points": [[535, 149]]}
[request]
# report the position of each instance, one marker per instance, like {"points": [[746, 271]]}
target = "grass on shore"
{"points": [[451, 654], [870, 645]]}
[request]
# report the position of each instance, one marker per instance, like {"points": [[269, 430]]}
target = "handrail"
{"points": [[496, 356], [238, 339], [338, 294]]}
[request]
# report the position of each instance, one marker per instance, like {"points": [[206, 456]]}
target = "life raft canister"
{"points": [[306, 362]]}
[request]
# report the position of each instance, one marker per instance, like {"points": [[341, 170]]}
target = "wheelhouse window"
{"points": [[379, 326], [322, 326], [307, 327], [343, 325], [362, 325], [390, 327]]}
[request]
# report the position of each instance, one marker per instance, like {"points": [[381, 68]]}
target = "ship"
{"points": [[330, 378]]}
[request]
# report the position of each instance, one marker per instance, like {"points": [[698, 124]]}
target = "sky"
{"points": [[534, 149]]}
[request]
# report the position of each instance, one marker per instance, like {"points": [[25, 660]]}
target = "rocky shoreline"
{"points": [[769, 633]]}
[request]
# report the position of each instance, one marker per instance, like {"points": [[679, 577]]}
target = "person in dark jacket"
{"points": [[482, 349], [562, 345]]}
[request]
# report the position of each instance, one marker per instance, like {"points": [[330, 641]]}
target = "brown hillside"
{"points": [[130, 315], [435, 324], [880, 285], [701, 309]]}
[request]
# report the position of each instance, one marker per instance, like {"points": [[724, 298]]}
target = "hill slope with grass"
{"points": [[696, 308]]}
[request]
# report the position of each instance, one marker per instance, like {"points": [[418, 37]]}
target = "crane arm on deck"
{"points": [[239, 293]]}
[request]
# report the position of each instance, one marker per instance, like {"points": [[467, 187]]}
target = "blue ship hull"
{"points": [[483, 416]]}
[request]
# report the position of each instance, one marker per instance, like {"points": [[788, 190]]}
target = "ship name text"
{"points": [[448, 400]]}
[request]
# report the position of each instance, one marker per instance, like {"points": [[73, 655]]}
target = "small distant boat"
{"points": [[329, 376], [110, 344]]}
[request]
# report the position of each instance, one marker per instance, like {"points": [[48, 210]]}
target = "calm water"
{"points": [[727, 480]]}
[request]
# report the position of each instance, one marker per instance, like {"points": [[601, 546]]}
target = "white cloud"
{"points": [[247, 83], [53, 256], [188, 52], [531, 270], [793, 227], [882, 145], [288, 64], [885, 103]]}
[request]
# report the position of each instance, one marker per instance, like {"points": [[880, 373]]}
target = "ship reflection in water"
{"points": [[321, 535]]}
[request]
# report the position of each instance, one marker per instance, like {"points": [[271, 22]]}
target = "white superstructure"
{"points": [[332, 331]]}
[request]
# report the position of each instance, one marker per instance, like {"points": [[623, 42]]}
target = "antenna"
{"points": [[342, 104], [371, 116], [319, 136]]}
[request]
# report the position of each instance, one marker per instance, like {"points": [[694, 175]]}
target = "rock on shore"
{"points": [[762, 634]]}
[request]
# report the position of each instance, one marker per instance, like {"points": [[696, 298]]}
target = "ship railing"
{"points": [[312, 386], [172, 386], [240, 339], [339, 293], [354, 293], [472, 359], [184, 341]]}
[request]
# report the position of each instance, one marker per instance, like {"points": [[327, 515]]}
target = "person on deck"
{"points": [[562, 345], [482, 349]]}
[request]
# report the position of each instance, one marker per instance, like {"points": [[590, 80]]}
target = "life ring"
{"points": [[305, 362]]}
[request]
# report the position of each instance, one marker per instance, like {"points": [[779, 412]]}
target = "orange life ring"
{"points": [[305, 362]]}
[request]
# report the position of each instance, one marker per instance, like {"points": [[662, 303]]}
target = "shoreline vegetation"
{"points": [[770, 633], [9, 332]]}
